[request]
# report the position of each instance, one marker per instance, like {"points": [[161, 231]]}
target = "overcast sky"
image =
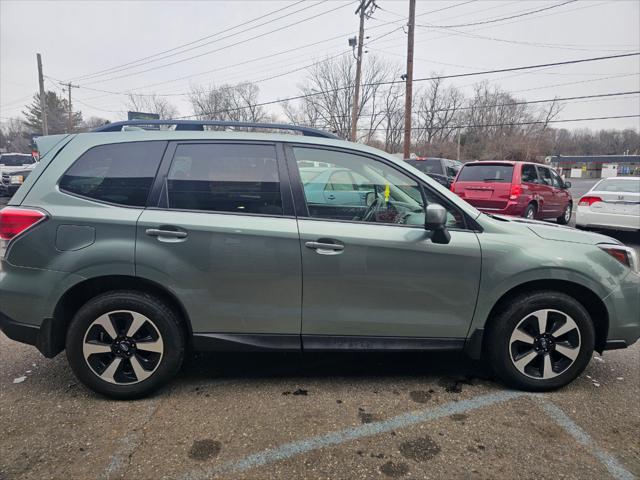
{"points": [[79, 38]]}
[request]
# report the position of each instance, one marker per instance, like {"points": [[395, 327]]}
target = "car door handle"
{"points": [[324, 246], [331, 197], [158, 232]]}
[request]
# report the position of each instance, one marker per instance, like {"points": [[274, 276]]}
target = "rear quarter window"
{"points": [[119, 173], [486, 173]]}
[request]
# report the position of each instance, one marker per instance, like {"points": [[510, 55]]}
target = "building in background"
{"points": [[595, 166]]}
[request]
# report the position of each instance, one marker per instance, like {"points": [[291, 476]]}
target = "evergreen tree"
{"points": [[57, 115]]}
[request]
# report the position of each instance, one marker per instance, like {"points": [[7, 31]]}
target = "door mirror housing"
{"points": [[436, 220], [567, 184]]}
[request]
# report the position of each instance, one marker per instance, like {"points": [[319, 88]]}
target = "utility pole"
{"points": [[409, 80], [458, 143], [361, 10], [69, 86], [43, 100]]}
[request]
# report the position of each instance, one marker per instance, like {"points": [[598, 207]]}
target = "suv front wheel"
{"points": [[541, 341], [125, 344]]}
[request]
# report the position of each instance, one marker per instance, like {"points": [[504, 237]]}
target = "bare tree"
{"points": [[329, 90], [92, 122], [438, 112], [228, 102], [15, 136], [152, 104]]}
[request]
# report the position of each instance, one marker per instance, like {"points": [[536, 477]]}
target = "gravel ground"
{"points": [[345, 416]]}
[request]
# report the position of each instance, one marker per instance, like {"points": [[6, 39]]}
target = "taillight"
{"points": [[15, 221], [515, 192], [587, 201], [624, 255]]}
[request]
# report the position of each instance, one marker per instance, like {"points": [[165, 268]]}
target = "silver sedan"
{"points": [[612, 203]]}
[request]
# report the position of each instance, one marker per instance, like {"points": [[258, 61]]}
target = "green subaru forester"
{"points": [[135, 244]]}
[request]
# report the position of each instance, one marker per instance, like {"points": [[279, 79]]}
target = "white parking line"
{"points": [[616, 470], [334, 438]]}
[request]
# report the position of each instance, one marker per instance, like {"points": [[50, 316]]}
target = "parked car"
{"points": [[131, 248], [11, 181], [12, 162], [612, 203], [442, 170], [521, 189]]}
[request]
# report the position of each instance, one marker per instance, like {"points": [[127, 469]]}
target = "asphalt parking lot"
{"points": [[342, 416]]}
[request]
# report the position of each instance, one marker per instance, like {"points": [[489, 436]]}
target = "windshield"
{"points": [[486, 172], [427, 166], [16, 160], [619, 185]]}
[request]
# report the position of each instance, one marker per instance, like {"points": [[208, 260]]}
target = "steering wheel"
{"points": [[371, 209]]}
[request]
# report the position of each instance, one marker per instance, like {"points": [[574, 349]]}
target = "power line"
{"points": [[195, 41], [264, 57], [524, 102], [484, 22], [439, 77], [532, 44], [515, 124], [313, 17]]}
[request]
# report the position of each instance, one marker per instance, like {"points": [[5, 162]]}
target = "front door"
{"points": [[551, 207], [378, 273], [224, 239]]}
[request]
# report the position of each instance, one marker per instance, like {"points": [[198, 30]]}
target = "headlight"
{"points": [[625, 255], [16, 179]]}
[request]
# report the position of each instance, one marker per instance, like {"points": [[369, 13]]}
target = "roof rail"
{"points": [[198, 125]]}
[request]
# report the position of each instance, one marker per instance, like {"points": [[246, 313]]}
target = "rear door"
{"points": [[485, 185], [223, 237]]}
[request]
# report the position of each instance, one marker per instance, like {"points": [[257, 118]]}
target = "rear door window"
{"points": [[529, 174], [120, 173], [486, 173], [545, 176], [225, 178]]}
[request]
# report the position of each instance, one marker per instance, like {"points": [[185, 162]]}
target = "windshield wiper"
{"points": [[494, 180]]}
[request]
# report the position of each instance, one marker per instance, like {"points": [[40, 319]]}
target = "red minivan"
{"points": [[515, 188]]}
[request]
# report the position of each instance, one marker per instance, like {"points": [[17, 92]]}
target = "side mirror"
{"points": [[567, 184], [436, 220]]}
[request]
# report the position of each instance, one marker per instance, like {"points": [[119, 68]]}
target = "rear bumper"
{"points": [[585, 217], [512, 208], [44, 337]]}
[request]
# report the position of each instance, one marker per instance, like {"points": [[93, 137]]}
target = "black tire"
{"points": [[499, 348], [531, 211], [163, 321], [566, 215]]}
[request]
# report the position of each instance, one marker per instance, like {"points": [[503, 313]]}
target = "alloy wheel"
{"points": [[567, 214], [123, 347], [545, 344], [531, 213]]}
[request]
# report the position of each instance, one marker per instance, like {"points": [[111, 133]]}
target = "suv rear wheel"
{"points": [[125, 344], [541, 341]]}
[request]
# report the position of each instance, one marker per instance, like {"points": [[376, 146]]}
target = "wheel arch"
{"points": [[589, 299], [82, 292]]}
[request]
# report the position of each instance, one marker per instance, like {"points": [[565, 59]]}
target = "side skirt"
{"points": [[230, 342]]}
